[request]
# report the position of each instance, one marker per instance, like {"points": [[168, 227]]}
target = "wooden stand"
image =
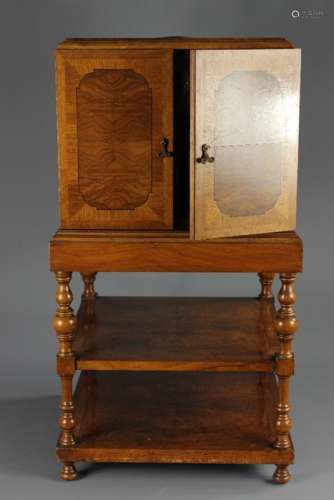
{"points": [[210, 381]]}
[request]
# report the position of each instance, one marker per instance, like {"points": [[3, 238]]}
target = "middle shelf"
{"points": [[176, 334]]}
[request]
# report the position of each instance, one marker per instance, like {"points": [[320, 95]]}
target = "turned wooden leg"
{"points": [[89, 291], [266, 280], [88, 299], [68, 471], [65, 324], [281, 474], [286, 325]]}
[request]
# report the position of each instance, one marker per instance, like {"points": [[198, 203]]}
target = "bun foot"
{"points": [[281, 474], [68, 472]]}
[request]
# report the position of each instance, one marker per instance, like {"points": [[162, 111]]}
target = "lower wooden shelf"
{"points": [[175, 417], [176, 334]]}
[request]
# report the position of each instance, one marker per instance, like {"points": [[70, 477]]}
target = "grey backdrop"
{"points": [[29, 387]]}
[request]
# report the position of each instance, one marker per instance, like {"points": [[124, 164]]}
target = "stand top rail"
{"points": [[174, 251]]}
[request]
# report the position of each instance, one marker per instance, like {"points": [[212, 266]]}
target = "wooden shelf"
{"points": [[176, 334], [188, 417]]}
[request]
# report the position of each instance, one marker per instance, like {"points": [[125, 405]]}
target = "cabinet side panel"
{"points": [[60, 111]]}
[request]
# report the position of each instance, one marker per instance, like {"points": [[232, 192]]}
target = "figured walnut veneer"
{"points": [[114, 109]]}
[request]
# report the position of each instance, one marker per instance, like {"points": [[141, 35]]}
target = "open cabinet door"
{"points": [[246, 114]]}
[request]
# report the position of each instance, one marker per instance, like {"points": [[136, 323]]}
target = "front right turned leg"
{"points": [[286, 324], [65, 324], [281, 474]]}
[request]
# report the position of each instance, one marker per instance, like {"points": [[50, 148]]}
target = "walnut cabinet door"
{"points": [[246, 141], [114, 107]]}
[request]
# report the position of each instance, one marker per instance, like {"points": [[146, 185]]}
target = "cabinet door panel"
{"points": [[114, 107], [114, 139], [247, 106]]}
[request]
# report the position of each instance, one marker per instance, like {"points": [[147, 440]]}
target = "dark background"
{"points": [[30, 31]]}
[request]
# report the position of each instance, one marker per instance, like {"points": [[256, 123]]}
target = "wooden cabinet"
{"points": [[166, 147], [232, 166]]}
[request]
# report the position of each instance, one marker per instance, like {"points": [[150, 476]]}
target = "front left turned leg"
{"points": [[68, 471], [65, 324], [286, 325]]}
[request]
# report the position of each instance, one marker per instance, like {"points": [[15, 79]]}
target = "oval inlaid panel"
{"points": [[249, 132], [114, 108]]}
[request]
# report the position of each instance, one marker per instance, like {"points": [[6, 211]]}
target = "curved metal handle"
{"points": [[165, 153], [205, 155]]}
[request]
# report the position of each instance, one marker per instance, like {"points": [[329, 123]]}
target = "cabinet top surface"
{"points": [[176, 43]]}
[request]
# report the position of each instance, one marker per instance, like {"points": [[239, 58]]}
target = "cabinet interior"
{"points": [[181, 125]]}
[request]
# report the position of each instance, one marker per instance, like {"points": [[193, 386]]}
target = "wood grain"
{"points": [[176, 334], [114, 109], [92, 251], [190, 417], [110, 172], [247, 109]]}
